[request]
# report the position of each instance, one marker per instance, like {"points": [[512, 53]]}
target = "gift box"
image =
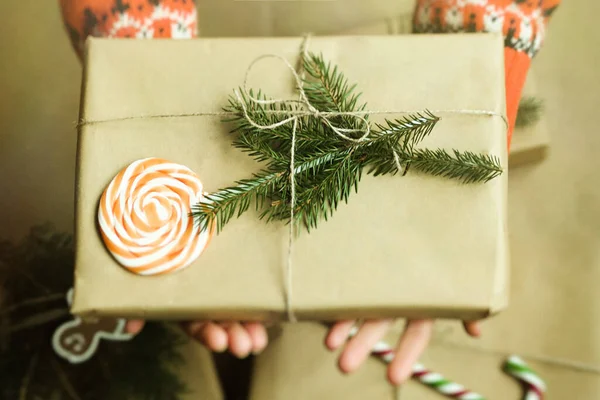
{"points": [[402, 246], [530, 142]]}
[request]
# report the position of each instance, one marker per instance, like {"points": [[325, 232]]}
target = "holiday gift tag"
{"points": [[77, 341]]}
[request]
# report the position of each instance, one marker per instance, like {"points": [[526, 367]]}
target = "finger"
{"points": [[413, 342], [338, 334], [240, 344], [360, 346], [134, 326], [473, 328], [258, 336], [213, 336]]}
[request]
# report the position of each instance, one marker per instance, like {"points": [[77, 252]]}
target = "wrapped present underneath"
{"points": [[405, 245]]}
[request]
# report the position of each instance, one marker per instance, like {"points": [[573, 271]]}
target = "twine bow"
{"points": [[309, 111]]}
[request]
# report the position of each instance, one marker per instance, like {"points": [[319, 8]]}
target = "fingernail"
{"points": [[218, 349], [332, 344], [346, 367], [395, 381], [333, 347]]}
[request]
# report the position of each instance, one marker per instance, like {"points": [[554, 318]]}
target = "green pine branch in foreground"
{"points": [[327, 168]]}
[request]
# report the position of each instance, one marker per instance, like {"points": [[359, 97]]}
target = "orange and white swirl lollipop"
{"points": [[144, 217]]}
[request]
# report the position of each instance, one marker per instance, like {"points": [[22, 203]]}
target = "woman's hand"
{"points": [[241, 339], [411, 345]]}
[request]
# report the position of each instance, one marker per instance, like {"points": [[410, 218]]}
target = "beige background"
{"points": [[291, 17], [554, 207]]}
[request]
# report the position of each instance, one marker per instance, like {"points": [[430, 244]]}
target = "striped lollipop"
{"points": [[144, 217]]}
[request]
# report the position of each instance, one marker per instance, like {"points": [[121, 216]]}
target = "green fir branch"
{"points": [[275, 144], [467, 167], [400, 137], [327, 167], [315, 180], [329, 91], [530, 111], [410, 130], [315, 202], [218, 208]]}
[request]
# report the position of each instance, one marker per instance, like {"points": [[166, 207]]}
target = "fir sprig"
{"points": [[329, 91], [467, 166], [327, 168], [530, 112]]}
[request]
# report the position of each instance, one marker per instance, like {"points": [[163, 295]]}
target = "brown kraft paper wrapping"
{"points": [[413, 246], [529, 144]]}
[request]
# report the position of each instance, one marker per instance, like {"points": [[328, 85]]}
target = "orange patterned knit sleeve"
{"points": [[138, 19], [522, 22]]}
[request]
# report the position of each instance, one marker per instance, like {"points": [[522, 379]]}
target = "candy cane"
{"points": [[514, 366], [442, 385], [518, 369], [435, 381]]}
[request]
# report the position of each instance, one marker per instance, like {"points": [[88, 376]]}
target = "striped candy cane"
{"points": [[431, 379], [514, 366], [442, 385], [535, 386]]}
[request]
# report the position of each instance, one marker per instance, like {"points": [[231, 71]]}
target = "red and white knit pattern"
{"points": [[523, 24]]}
